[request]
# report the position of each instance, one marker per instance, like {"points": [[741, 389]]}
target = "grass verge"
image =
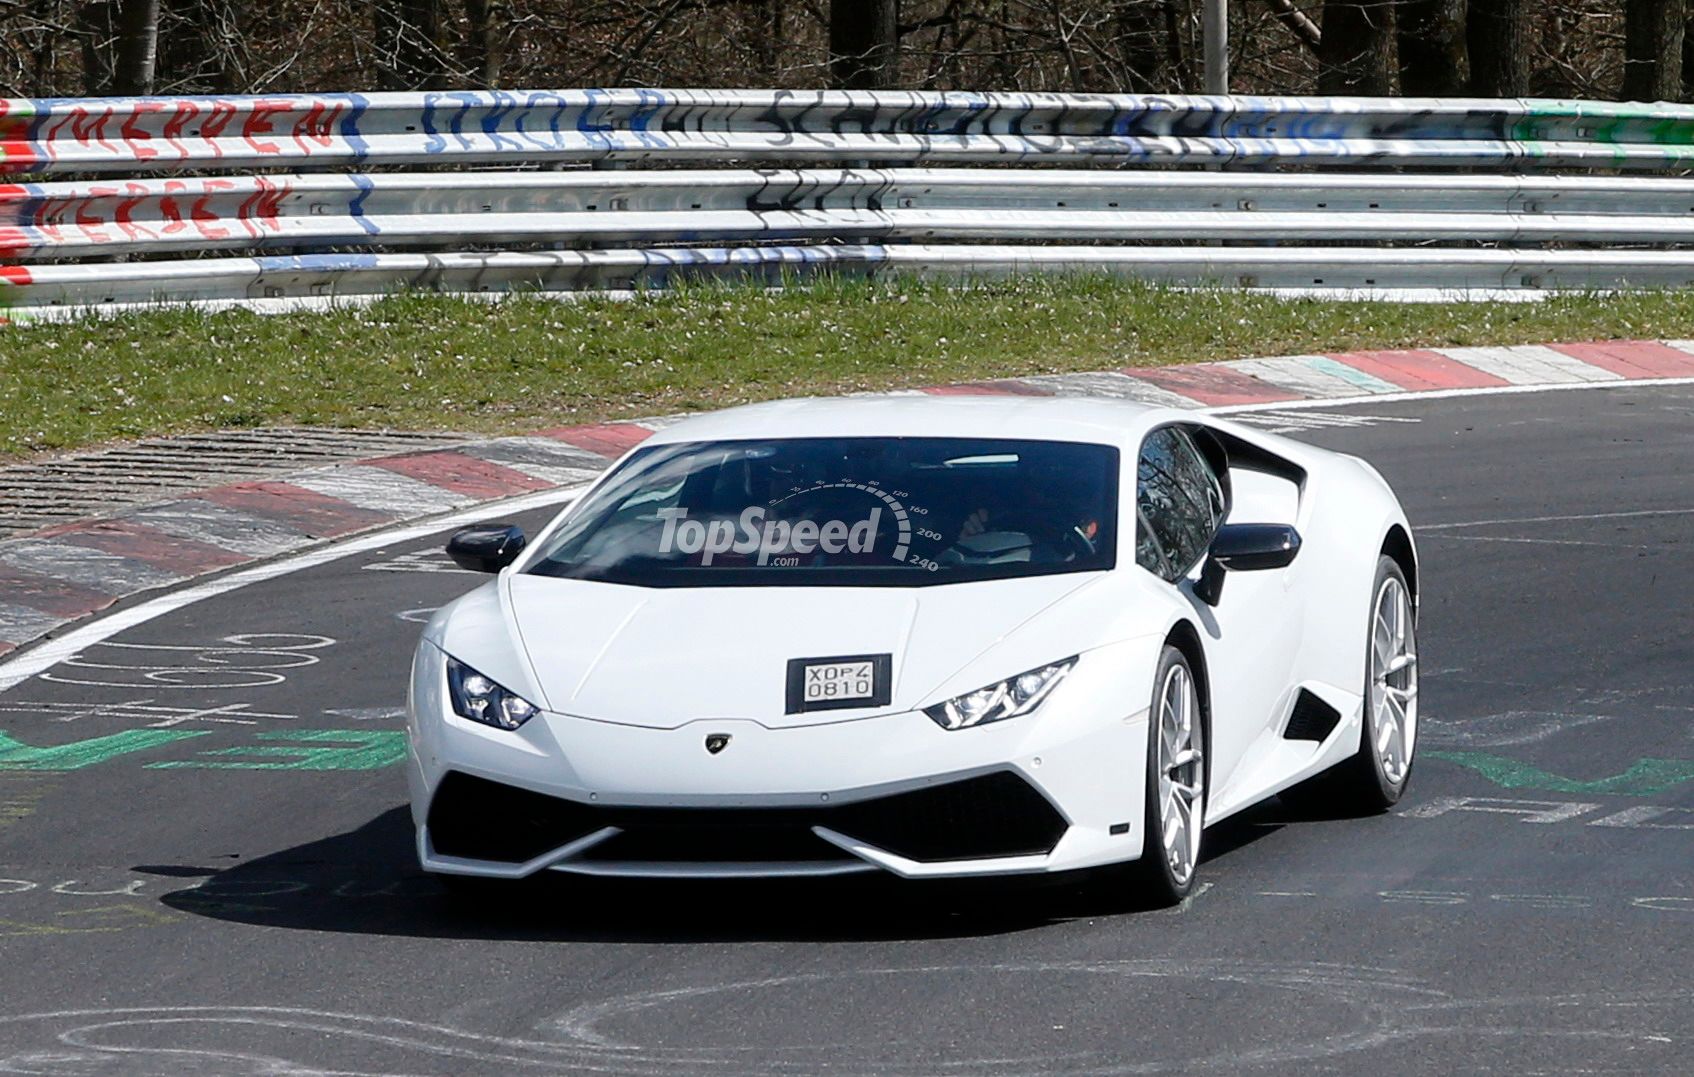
{"points": [[433, 363]]}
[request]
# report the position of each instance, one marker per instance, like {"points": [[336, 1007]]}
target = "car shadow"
{"points": [[367, 881]]}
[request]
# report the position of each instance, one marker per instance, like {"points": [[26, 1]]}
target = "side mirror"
{"points": [[1245, 548], [487, 547]]}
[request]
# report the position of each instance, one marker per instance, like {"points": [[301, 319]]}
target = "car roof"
{"points": [[1086, 419]]}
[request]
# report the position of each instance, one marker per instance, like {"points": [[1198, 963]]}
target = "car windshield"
{"points": [[850, 511]]}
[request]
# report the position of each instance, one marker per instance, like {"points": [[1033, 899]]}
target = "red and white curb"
{"points": [[65, 573]]}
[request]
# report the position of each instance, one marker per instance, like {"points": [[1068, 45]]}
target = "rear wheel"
{"points": [[1175, 802]]}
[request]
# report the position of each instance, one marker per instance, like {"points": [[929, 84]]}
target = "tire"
{"points": [[1375, 777], [1175, 761]]}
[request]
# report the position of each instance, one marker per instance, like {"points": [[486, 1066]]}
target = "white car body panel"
{"points": [[630, 679]]}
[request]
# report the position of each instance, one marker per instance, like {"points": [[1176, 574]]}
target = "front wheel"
{"points": [[1174, 806], [1374, 779]]}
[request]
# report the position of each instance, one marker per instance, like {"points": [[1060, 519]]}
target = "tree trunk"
{"points": [[483, 53], [1687, 63], [1652, 49], [408, 55], [138, 47], [1353, 50], [94, 27], [1497, 39], [1431, 40], [864, 39], [772, 44]]}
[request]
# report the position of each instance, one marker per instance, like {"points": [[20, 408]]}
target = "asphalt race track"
{"points": [[206, 864]]}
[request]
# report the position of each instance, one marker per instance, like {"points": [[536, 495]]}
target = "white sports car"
{"points": [[920, 635]]}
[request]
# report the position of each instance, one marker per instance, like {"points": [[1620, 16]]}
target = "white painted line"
{"points": [[26, 664], [1624, 515]]}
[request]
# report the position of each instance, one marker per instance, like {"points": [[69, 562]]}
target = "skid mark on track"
{"points": [[1346, 1011], [94, 920], [1508, 728], [146, 711], [244, 660]]}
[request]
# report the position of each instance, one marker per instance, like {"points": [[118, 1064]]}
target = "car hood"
{"points": [[663, 657]]}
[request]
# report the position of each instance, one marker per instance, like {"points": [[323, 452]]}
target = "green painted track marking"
{"points": [[15, 755], [1644, 777], [340, 749]]}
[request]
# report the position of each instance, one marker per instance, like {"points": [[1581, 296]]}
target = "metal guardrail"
{"points": [[118, 190]]}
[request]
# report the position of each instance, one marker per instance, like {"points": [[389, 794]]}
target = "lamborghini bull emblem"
{"points": [[716, 742]]}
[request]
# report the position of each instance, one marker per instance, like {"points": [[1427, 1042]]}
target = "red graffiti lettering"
{"points": [[222, 113], [261, 208], [124, 213], [185, 111], [317, 126], [136, 136], [92, 225], [203, 216], [89, 127], [259, 123], [170, 211]]}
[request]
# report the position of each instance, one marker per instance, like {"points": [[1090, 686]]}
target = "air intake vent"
{"points": [[991, 815], [1313, 719]]}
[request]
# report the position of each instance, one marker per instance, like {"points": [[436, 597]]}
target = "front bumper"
{"points": [[1052, 791]]}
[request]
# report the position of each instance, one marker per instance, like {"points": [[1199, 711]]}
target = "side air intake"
{"points": [[1313, 719]]}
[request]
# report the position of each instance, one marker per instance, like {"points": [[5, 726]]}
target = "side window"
{"points": [[1178, 504]]}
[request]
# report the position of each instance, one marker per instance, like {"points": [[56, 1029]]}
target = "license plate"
{"points": [[850, 681], [826, 681]]}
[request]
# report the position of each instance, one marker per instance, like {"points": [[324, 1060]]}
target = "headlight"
{"points": [[1004, 699], [482, 700]]}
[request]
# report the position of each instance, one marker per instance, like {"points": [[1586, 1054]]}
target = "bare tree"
{"points": [[407, 36], [1138, 29], [864, 41], [485, 43], [1652, 46], [1497, 39], [138, 47], [1353, 51], [1430, 36]]}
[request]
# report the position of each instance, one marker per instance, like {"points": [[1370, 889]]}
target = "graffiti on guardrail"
{"points": [[37, 219], [142, 133], [1586, 238]]}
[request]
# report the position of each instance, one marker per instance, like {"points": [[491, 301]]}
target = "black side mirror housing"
{"points": [[1245, 548], [486, 547]]}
